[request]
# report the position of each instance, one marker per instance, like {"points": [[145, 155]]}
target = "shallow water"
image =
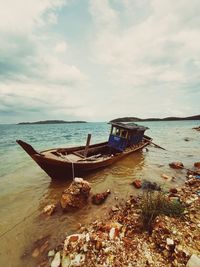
{"points": [[25, 189]]}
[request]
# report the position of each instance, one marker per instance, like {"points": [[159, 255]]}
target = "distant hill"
{"points": [[131, 119], [50, 122], [126, 119]]}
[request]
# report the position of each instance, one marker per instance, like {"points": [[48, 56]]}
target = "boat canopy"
{"points": [[125, 135]]}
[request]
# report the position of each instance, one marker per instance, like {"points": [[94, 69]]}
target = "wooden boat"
{"points": [[124, 139]]}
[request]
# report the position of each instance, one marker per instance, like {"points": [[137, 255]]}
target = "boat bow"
{"points": [[28, 148]]}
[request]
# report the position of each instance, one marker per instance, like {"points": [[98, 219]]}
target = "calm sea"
{"points": [[25, 189]]}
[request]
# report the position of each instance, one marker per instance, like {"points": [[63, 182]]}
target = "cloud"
{"points": [[61, 47], [156, 41], [23, 15], [99, 58], [33, 101], [35, 71], [155, 51]]}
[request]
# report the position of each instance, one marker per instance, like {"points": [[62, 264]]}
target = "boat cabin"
{"points": [[124, 135]]}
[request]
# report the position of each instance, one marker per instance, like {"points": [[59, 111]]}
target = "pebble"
{"points": [[65, 261], [137, 184], [194, 261], [170, 242], [197, 164], [51, 253], [56, 260], [167, 177], [49, 209], [114, 208], [176, 165], [112, 233]]}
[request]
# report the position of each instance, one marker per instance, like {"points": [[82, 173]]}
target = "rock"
{"points": [[173, 190], [151, 186], [49, 209], [112, 233], [191, 181], [170, 242], [194, 261], [100, 198], [44, 247], [65, 261], [76, 195], [40, 246], [98, 245], [87, 237], [51, 253], [35, 253], [196, 128], [114, 209], [169, 178], [72, 240], [176, 165], [137, 184], [56, 260], [197, 164], [78, 260]]}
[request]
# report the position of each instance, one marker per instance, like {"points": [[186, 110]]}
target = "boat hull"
{"points": [[60, 169]]}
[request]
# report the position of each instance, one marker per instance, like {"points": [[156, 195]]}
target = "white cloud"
{"points": [[29, 54], [59, 72], [156, 48], [36, 99], [23, 15], [152, 55], [61, 47]]}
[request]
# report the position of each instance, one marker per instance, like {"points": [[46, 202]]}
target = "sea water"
{"points": [[25, 188]]}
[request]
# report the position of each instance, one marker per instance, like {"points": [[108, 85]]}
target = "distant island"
{"points": [[50, 122], [133, 119]]}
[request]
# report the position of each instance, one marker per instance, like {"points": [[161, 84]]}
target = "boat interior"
{"points": [[93, 153], [96, 153]]}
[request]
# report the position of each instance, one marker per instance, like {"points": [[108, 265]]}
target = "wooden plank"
{"points": [[87, 145]]}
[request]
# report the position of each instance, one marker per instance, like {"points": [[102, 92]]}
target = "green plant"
{"points": [[154, 203]]}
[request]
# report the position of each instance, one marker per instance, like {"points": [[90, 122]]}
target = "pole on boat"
{"points": [[154, 144], [157, 146], [87, 145]]}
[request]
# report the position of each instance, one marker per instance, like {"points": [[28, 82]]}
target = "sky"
{"points": [[97, 60]]}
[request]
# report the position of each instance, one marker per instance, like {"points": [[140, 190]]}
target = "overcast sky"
{"points": [[96, 60]]}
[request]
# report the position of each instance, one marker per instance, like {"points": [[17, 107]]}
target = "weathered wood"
{"points": [[87, 145], [59, 168]]}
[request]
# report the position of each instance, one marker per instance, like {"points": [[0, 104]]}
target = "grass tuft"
{"points": [[154, 203]]}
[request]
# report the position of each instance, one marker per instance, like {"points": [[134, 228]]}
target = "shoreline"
{"points": [[120, 240]]}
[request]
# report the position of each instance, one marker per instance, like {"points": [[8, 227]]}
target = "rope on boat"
{"points": [[73, 170]]}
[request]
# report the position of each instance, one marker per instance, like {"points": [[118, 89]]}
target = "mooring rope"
{"points": [[18, 223], [73, 170]]}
